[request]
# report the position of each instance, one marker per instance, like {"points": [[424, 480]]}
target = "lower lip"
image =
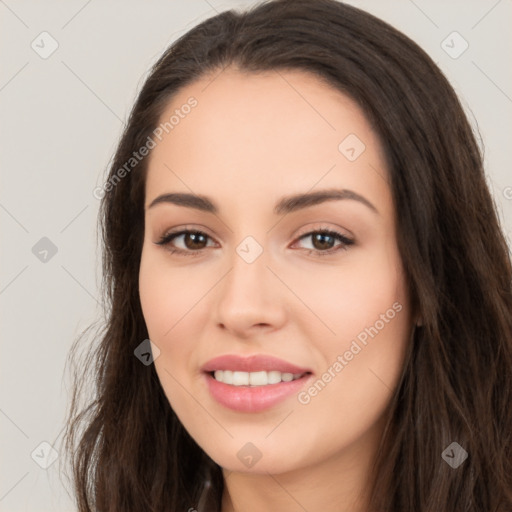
{"points": [[253, 398]]}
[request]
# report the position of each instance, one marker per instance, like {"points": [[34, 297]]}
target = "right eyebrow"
{"points": [[187, 200]]}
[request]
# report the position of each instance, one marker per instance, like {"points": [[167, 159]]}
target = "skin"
{"points": [[252, 139]]}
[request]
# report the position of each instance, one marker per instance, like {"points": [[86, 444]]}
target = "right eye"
{"points": [[191, 237]]}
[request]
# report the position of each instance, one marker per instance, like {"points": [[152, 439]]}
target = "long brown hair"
{"points": [[127, 448]]}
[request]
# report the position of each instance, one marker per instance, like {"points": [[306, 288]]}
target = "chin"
{"points": [[248, 459]]}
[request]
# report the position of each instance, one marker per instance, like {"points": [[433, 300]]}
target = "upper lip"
{"points": [[253, 363]]}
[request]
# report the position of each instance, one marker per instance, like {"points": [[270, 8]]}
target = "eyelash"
{"points": [[167, 238]]}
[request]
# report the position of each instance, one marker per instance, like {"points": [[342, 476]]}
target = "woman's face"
{"points": [[262, 282]]}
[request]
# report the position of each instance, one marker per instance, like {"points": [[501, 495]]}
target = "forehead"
{"points": [[265, 135]]}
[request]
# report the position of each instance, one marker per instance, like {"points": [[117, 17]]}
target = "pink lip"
{"points": [[254, 363], [253, 398]]}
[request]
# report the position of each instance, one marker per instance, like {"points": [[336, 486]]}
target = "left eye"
{"points": [[322, 241]]}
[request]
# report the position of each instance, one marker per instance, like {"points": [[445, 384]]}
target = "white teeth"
{"points": [[261, 378], [258, 378], [240, 379], [274, 377]]}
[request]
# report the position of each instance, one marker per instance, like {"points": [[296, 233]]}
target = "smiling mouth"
{"points": [[255, 379]]}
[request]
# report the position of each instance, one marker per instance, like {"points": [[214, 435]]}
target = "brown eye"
{"points": [[193, 241], [323, 242]]}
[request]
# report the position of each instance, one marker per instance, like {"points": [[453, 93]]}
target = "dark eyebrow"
{"points": [[188, 200], [287, 204], [296, 202]]}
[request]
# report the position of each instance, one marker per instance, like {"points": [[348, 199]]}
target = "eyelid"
{"points": [[323, 226], [312, 227], [187, 228]]}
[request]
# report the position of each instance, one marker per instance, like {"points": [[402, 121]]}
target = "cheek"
{"points": [[175, 308], [155, 302], [166, 294], [343, 299], [365, 305], [362, 362]]}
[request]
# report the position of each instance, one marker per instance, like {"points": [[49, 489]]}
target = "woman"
{"points": [[369, 370]]}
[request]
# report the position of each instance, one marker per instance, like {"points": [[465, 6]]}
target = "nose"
{"points": [[250, 298]]}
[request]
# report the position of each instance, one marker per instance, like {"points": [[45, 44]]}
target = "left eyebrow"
{"points": [[286, 204], [298, 201]]}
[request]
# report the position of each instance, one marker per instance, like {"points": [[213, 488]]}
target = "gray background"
{"points": [[61, 119]]}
